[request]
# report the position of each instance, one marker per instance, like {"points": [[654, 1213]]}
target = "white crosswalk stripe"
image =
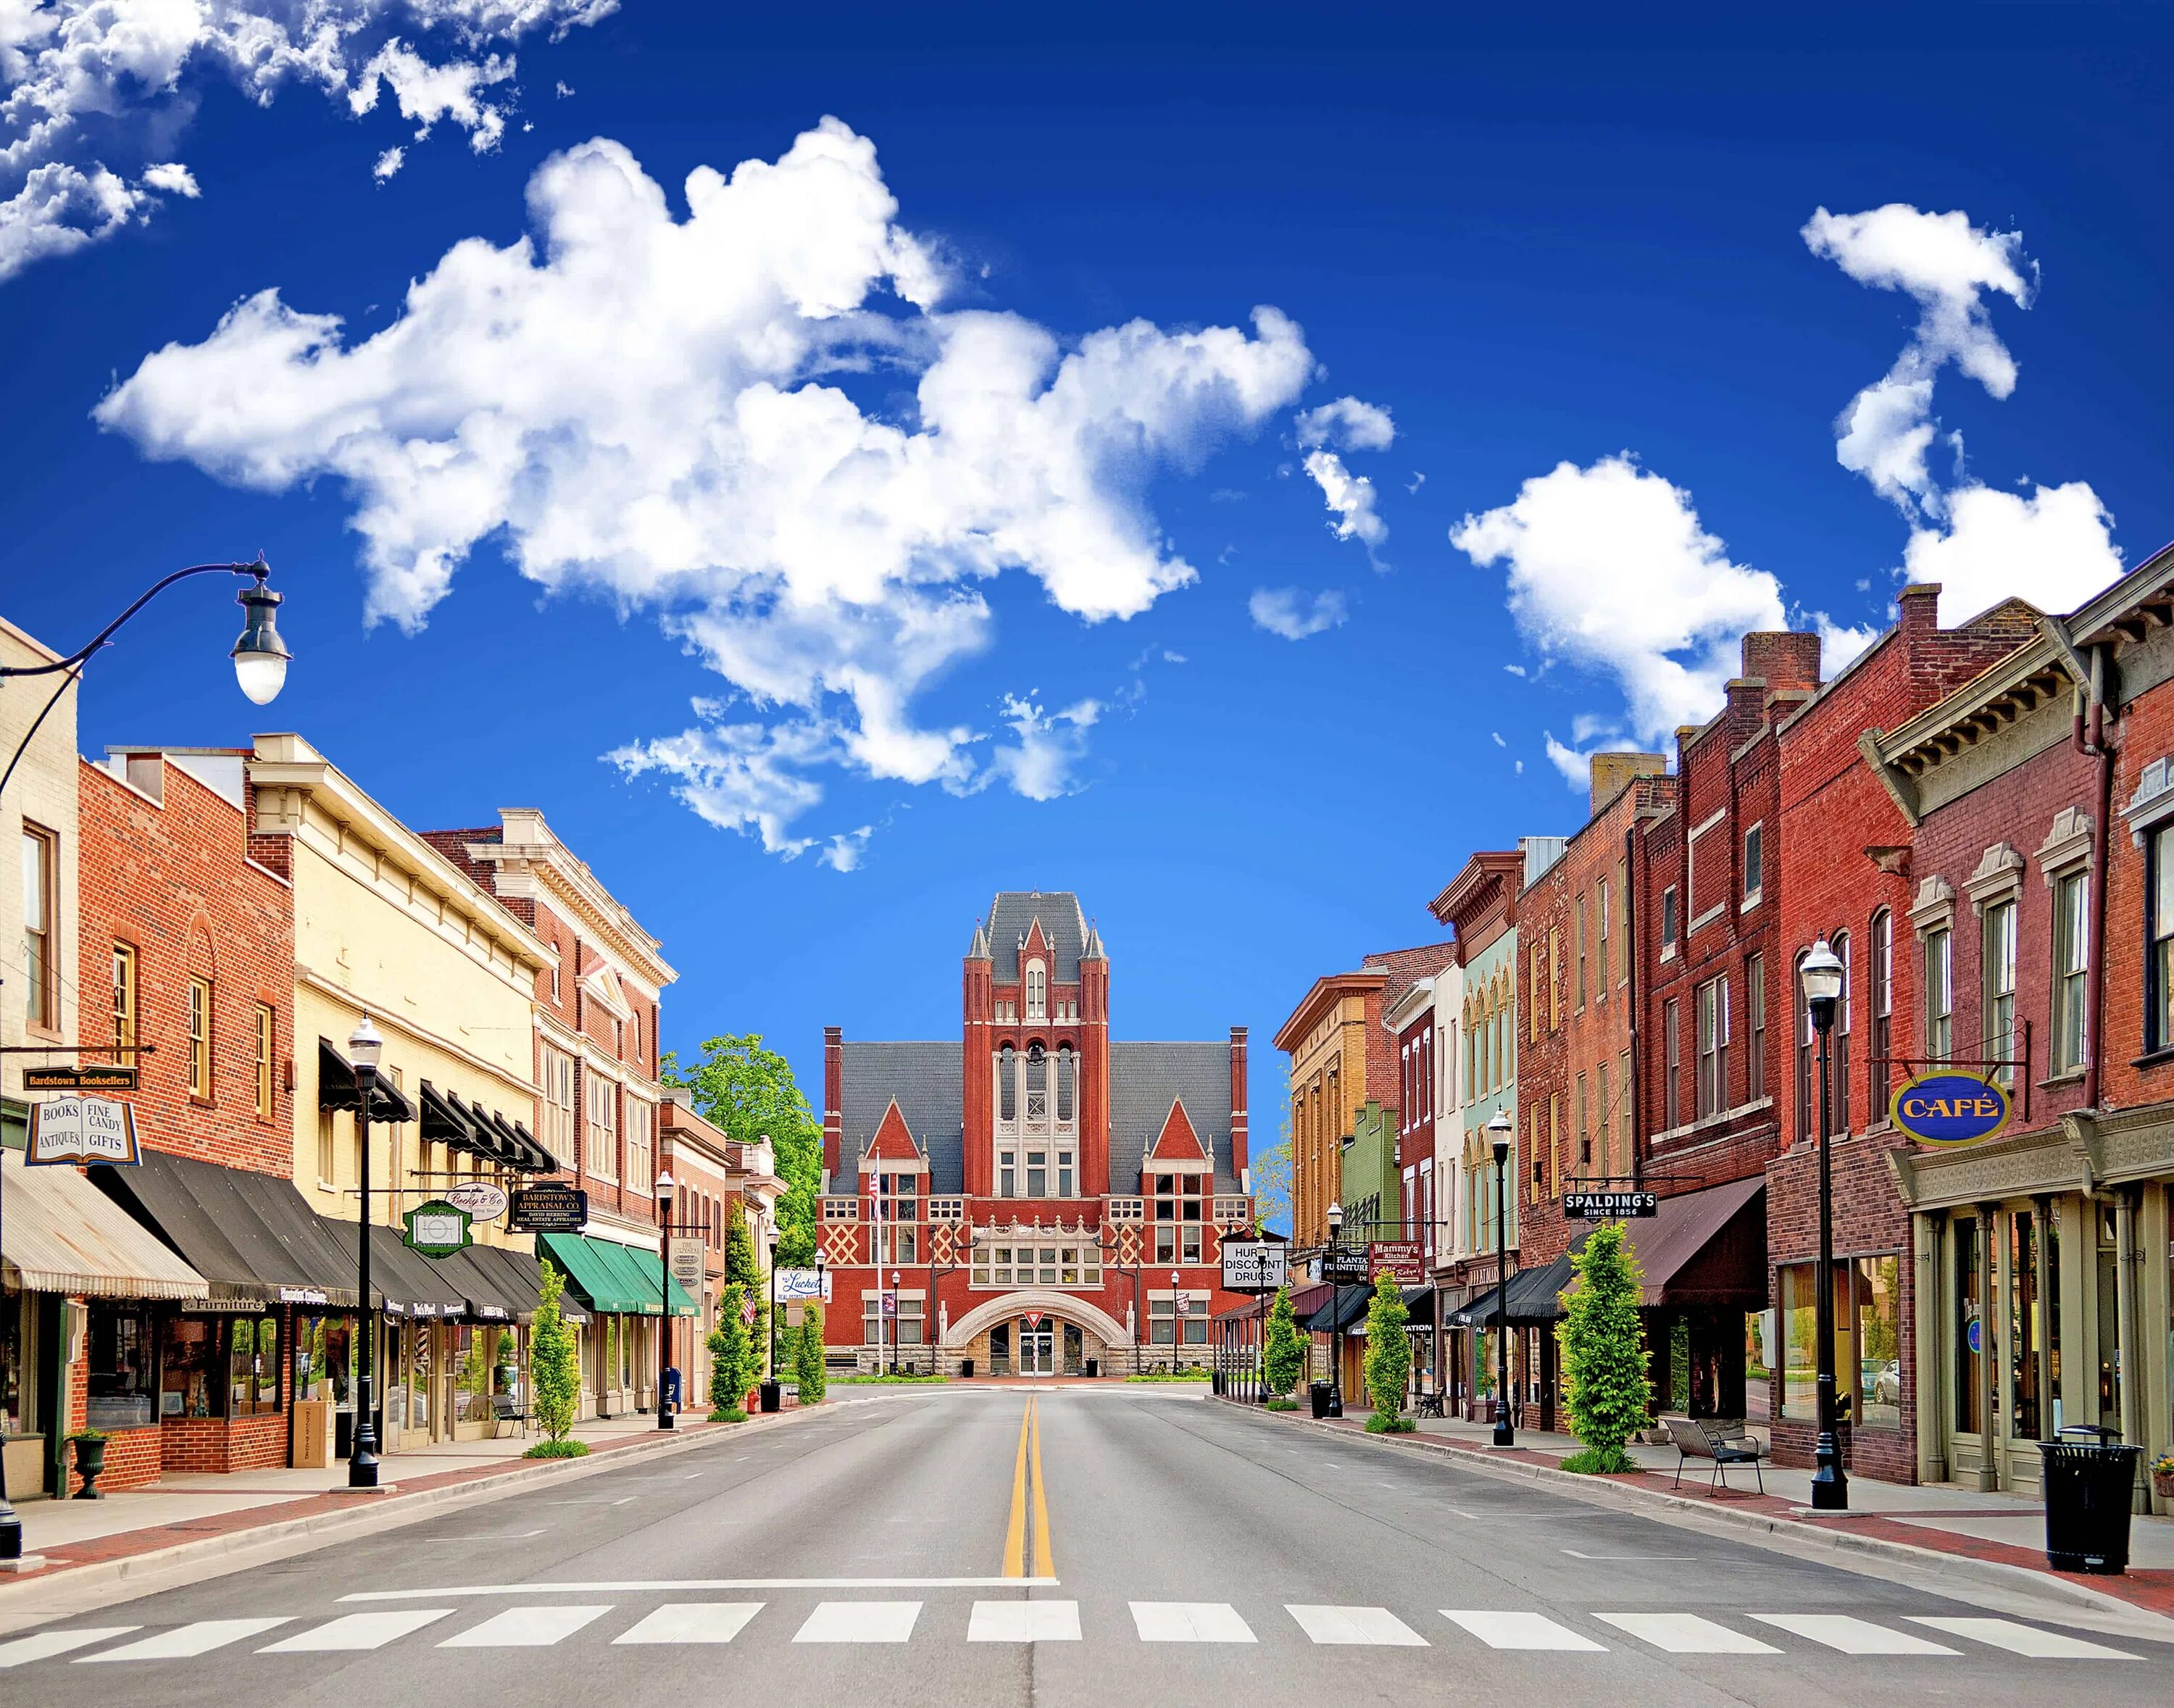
{"points": [[356, 1631], [2024, 1640], [42, 1646], [692, 1622], [185, 1640], [525, 1627], [1687, 1633], [1850, 1634], [1024, 1622], [1522, 1631], [1373, 1627], [860, 1622], [1190, 1622]]}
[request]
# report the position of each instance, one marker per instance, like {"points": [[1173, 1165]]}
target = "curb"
{"points": [[390, 1513], [1668, 1509]]}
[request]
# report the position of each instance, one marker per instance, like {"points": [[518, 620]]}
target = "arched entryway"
{"points": [[1035, 1335], [1037, 1344]]}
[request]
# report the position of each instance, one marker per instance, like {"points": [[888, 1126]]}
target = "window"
{"points": [[120, 1368], [1967, 1336], [603, 1128], [41, 969], [1178, 1216], [1578, 946], [1584, 1133], [1867, 1318], [1881, 976], [1607, 1123], [1999, 973], [253, 1367], [903, 1331], [1067, 1079], [265, 1029], [1845, 1011], [559, 1104], [124, 1005], [1555, 979], [1806, 1090], [1939, 994], [1713, 1046], [1754, 1000], [1755, 864], [1668, 919], [192, 1383], [1007, 1084], [640, 1145], [2070, 945], [1037, 991], [325, 1160], [1705, 891], [1540, 972], [1070, 1264], [2159, 1007], [1164, 1322], [1037, 1085], [1672, 1067], [1600, 917], [199, 1063], [898, 1203]]}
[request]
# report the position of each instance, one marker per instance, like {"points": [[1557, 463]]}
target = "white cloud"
{"points": [[747, 777], [1287, 612], [1042, 764], [90, 89], [1350, 498], [1349, 424], [1346, 424], [1417, 481], [1517, 670], [1497, 734], [389, 163], [655, 409], [2053, 549]]}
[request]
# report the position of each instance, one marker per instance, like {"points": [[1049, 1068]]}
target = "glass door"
{"points": [[1038, 1351]]}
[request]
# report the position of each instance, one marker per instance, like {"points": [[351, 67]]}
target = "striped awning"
{"points": [[59, 1234]]}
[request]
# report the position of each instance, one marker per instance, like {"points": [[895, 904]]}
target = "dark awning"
{"points": [[1347, 1307], [491, 1296], [540, 1161], [521, 1278], [1419, 1302], [1532, 1298], [1706, 1247], [249, 1234], [408, 1283], [336, 1087], [444, 1122], [518, 1151]]}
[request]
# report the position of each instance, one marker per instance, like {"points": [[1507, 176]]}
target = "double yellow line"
{"points": [[1026, 1471]]}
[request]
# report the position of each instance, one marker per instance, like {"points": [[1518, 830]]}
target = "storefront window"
{"points": [[2025, 1327], [256, 1367], [1879, 1366], [14, 1364], [117, 1344], [471, 1362], [1867, 1316], [1799, 1347], [1759, 1351], [191, 1384], [1967, 1339], [2109, 1313]]}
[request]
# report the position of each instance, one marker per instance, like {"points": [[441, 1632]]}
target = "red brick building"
{"points": [[1035, 1198]]}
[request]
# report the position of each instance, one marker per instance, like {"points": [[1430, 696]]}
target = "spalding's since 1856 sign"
{"points": [[1951, 1108]]}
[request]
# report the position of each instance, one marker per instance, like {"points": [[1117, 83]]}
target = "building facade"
{"points": [[1035, 1198]]}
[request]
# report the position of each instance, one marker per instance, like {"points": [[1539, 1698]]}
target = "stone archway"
{"points": [[1005, 1307]]}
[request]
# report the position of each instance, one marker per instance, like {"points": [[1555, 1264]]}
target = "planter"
{"points": [[2162, 1484], [89, 1465]]}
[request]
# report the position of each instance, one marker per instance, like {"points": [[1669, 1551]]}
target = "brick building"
{"points": [[713, 1174], [1036, 1197]]}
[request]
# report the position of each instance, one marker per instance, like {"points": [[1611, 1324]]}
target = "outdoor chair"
{"points": [[505, 1409]]}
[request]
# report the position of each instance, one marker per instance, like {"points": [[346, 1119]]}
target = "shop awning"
{"points": [[1347, 1307], [1419, 1304], [249, 1234], [1532, 1298], [407, 1282], [1706, 1247], [336, 1087], [610, 1276], [517, 1272], [62, 1234], [642, 1270], [442, 1123], [522, 1152]]}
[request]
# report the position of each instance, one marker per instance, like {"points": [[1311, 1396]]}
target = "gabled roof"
{"points": [[1177, 1141], [1014, 912], [893, 1141]]}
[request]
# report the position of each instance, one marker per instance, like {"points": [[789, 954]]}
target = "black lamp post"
{"points": [[1334, 1217], [260, 667], [895, 1278], [1500, 1129], [664, 1230], [773, 1305], [365, 1046], [1821, 974]]}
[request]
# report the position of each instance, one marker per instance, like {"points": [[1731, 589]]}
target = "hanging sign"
{"points": [[552, 1207], [690, 1255], [799, 1286], [1253, 1266], [74, 1129], [482, 1201], [78, 1079], [1403, 1260], [437, 1229], [1345, 1264], [1611, 1207], [1950, 1110]]}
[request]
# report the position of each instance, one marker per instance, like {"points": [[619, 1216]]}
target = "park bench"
{"points": [[505, 1409], [1725, 1442], [1431, 1402]]}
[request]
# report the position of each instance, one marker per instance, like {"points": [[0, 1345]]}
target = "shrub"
{"points": [[558, 1448], [808, 1375], [1599, 1462], [1383, 1422], [1605, 1356], [728, 1414], [1388, 1354], [1283, 1358], [1280, 1404], [554, 1369]]}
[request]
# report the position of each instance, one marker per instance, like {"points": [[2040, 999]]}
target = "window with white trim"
{"points": [[1017, 1263], [603, 1128], [1037, 991], [558, 1077], [1178, 1214]]}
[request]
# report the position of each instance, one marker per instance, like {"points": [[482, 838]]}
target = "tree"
{"points": [[735, 1356], [1388, 1357], [808, 1370], [751, 1093], [1604, 1355], [1282, 1357], [743, 1271], [1270, 1174], [553, 1367]]}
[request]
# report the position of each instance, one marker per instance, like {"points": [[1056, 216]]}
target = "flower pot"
{"points": [[2162, 1484], [89, 1465]]}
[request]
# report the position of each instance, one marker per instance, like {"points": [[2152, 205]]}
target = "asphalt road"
{"points": [[906, 1549]]}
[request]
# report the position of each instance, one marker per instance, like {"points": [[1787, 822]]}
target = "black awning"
{"points": [[441, 1122], [540, 1161], [1532, 1298], [483, 1136], [336, 1087], [1474, 1313], [522, 1277], [491, 1296], [1347, 1307], [1419, 1302], [249, 1234]]}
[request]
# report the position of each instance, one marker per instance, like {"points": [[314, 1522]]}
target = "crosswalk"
{"points": [[544, 1625]]}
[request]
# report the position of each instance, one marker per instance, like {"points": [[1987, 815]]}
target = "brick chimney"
{"points": [[1919, 606], [1613, 773], [1783, 659]]}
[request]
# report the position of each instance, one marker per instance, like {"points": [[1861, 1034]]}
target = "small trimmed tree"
{"points": [[808, 1370], [1283, 1355], [743, 1271], [734, 1357], [1604, 1355], [555, 1368], [1388, 1357]]}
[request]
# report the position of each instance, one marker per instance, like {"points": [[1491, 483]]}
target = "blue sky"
{"points": [[1526, 248]]}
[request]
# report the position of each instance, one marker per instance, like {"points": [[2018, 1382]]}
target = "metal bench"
{"points": [[1431, 1402], [505, 1409], [1725, 1442]]}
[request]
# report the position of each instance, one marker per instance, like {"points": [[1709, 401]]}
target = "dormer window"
{"points": [[1037, 991]]}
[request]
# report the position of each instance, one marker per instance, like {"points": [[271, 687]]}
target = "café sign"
{"points": [[1403, 1260], [1950, 1110], [76, 1129]]}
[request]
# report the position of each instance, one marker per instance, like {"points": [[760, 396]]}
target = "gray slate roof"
{"points": [[1011, 914], [926, 1078]]}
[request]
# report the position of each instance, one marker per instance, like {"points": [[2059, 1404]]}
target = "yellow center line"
{"points": [[1015, 1529], [1044, 1566]]}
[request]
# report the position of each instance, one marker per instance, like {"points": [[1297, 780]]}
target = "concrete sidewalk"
{"points": [[2005, 1531]]}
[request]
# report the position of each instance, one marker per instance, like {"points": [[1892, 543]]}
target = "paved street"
{"points": [[1074, 1546]]}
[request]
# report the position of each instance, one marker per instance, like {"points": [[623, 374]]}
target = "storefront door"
{"points": [[1037, 1349]]}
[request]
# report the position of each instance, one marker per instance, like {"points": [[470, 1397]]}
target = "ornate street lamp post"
{"points": [[1335, 1220], [1821, 973], [1500, 1130], [665, 1228], [365, 1046]]}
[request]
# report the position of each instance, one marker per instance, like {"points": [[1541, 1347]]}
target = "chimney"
{"points": [[834, 1101], [1783, 659], [1919, 605], [1240, 1157], [1613, 773]]}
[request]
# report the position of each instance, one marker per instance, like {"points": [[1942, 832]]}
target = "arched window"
{"points": [[1037, 1083], [1037, 991], [1845, 1017], [1807, 1091], [1007, 1084], [1064, 1082], [1879, 985]]}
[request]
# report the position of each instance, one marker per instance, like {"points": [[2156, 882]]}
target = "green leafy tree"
{"points": [[808, 1372], [735, 1357], [553, 1365], [751, 1093], [1604, 1355], [1388, 1357], [1270, 1175], [1282, 1357], [742, 1270]]}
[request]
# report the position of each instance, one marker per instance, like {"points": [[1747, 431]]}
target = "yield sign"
{"points": [[1034, 1319]]}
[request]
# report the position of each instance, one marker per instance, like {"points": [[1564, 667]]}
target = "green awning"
{"points": [[613, 1278]]}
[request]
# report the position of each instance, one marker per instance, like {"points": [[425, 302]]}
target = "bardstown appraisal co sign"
{"points": [[1950, 1110]]}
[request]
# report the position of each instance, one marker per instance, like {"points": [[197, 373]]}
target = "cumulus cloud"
{"points": [[664, 411], [1042, 761], [389, 163], [2056, 548], [1287, 611], [90, 89], [1346, 424]]}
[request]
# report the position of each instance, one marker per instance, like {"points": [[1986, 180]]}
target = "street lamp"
{"points": [[364, 1047], [665, 1184], [1335, 1220], [259, 663], [895, 1278], [773, 1396], [1821, 975], [1500, 1130]]}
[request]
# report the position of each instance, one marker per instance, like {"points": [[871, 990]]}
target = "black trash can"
{"points": [[1317, 1392], [966, 1369], [1094, 1366], [773, 1396], [2089, 1493]]}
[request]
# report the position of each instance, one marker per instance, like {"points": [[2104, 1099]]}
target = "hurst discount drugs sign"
{"points": [[1950, 1110]]}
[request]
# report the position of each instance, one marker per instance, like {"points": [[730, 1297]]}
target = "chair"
{"points": [[505, 1409]]}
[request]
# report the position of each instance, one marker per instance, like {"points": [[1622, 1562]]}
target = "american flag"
{"points": [[747, 1311]]}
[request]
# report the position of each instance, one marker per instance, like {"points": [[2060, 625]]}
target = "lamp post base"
{"points": [[1505, 1437], [1830, 1484], [664, 1419], [361, 1472]]}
